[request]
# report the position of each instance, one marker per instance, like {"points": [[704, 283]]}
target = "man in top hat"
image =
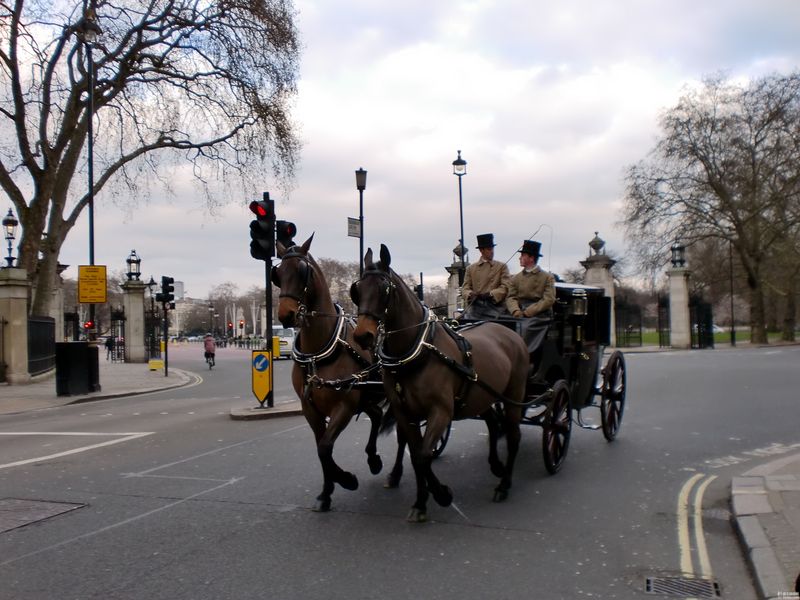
{"points": [[531, 291], [485, 283]]}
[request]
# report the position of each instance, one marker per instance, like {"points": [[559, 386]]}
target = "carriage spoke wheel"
{"points": [[557, 428], [612, 403]]}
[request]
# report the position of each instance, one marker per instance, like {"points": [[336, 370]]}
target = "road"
{"points": [[164, 496]]}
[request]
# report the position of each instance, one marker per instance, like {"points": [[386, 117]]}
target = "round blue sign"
{"points": [[261, 363]]}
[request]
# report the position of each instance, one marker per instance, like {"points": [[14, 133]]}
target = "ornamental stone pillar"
{"points": [[680, 332], [598, 274], [133, 304], [14, 289]]}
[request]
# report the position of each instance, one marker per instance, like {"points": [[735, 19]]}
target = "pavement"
{"points": [[765, 501]]}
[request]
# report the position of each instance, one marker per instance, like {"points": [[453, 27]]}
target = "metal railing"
{"points": [[41, 344]]}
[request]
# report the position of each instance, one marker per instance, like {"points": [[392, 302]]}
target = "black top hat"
{"points": [[486, 240], [531, 247]]}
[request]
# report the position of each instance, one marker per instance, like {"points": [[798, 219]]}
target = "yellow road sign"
{"points": [[261, 364], [92, 286]]}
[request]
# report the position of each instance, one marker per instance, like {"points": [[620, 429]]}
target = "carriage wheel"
{"points": [[439, 447], [557, 428], [612, 403]]}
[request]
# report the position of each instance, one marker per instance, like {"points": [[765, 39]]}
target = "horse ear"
{"points": [[280, 249], [307, 244], [386, 258], [368, 264], [276, 281], [354, 293]]}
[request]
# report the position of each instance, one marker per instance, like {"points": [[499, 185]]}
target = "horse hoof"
{"points": [[498, 470], [322, 505], [348, 481], [375, 464], [443, 496], [392, 481], [417, 516], [500, 495]]}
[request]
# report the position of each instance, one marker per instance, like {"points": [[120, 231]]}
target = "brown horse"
{"points": [[433, 374], [328, 366]]}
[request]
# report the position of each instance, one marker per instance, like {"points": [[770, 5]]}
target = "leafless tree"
{"points": [[727, 167], [178, 82]]}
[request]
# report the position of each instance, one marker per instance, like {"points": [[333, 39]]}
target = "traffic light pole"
{"points": [[166, 339], [268, 303]]}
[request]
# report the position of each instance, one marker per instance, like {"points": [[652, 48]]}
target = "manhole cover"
{"points": [[15, 512], [680, 586]]}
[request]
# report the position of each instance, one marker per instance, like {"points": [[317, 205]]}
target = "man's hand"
{"points": [[517, 313], [486, 297]]}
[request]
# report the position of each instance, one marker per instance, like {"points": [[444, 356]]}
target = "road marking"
{"points": [[125, 438], [685, 531]]}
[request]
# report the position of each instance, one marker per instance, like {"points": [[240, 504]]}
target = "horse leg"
{"points": [[511, 426], [409, 432], [393, 480], [437, 423], [332, 473], [317, 423], [374, 461], [493, 426]]}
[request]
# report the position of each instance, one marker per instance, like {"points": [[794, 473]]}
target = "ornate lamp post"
{"points": [[134, 266], [88, 30], [10, 231], [361, 185], [459, 170], [678, 254]]}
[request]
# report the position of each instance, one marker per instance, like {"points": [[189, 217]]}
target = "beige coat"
{"points": [[535, 289], [487, 277]]}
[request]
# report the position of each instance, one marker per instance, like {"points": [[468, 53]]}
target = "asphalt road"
{"points": [[170, 498]]}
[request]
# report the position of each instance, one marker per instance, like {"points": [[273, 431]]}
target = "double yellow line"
{"points": [[690, 521]]}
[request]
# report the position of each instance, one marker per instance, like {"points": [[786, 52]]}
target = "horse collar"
{"points": [[394, 362]]}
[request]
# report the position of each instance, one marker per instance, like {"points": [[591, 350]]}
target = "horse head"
{"points": [[372, 295], [294, 275]]}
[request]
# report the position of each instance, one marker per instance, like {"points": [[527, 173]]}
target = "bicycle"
{"points": [[210, 360]]}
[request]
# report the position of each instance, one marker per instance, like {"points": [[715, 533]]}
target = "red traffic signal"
{"points": [[285, 232], [88, 325], [262, 229], [241, 323]]}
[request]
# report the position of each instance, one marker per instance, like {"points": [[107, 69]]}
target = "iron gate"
{"points": [[116, 350], [628, 319], [701, 317], [664, 340]]}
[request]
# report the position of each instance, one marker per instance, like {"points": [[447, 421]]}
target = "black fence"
{"points": [[628, 321], [702, 320], [41, 344], [664, 340]]}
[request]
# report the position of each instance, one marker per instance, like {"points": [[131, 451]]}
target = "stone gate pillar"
{"points": [[454, 300], [133, 304], [14, 288], [598, 274], [680, 322]]}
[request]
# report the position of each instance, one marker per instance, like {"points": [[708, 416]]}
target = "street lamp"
{"points": [[459, 170], [10, 230], [88, 30], [678, 254], [733, 321], [361, 185], [134, 266]]}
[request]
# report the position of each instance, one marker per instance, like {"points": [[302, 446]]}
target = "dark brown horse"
{"points": [[433, 374], [327, 361]]}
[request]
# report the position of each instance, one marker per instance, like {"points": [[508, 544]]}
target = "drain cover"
{"points": [[15, 512], [680, 586]]}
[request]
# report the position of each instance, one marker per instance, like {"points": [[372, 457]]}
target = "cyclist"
{"points": [[210, 349]]}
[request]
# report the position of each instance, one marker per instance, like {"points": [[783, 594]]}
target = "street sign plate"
{"points": [[353, 227], [92, 287], [262, 374]]}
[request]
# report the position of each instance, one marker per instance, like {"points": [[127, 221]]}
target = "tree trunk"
{"points": [[758, 331], [790, 313]]}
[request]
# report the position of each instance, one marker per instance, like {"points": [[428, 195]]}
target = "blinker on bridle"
{"points": [[304, 269], [388, 287]]}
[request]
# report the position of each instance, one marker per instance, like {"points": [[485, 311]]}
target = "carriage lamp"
{"points": [[134, 266], [579, 307], [10, 230], [678, 254]]}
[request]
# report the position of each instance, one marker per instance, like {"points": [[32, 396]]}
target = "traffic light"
{"points": [[88, 325], [230, 328], [285, 232], [262, 230], [167, 291], [241, 323]]}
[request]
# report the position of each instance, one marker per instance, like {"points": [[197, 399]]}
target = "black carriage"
{"points": [[567, 374]]}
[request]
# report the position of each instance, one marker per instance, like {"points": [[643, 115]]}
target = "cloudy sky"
{"points": [[549, 102]]}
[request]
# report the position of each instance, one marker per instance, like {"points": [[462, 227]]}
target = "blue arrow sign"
{"points": [[261, 363]]}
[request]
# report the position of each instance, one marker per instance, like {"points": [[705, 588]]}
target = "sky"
{"points": [[549, 103]]}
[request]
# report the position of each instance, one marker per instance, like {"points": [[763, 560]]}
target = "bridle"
{"points": [[388, 287], [305, 271]]}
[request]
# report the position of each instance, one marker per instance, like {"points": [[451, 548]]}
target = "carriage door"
{"points": [[702, 323], [118, 335]]}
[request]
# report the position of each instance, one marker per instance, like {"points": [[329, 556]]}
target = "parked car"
{"points": [[286, 337]]}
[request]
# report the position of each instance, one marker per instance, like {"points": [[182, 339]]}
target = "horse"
{"points": [[329, 367], [434, 374]]}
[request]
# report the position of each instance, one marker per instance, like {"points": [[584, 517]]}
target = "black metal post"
{"points": [[730, 260], [360, 233], [268, 300], [166, 339], [462, 248], [90, 140]]}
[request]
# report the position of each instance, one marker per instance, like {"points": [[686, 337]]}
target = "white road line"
{"points": [[125, 438]]}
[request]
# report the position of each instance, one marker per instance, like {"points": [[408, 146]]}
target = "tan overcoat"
{"points": [[534, 289]]}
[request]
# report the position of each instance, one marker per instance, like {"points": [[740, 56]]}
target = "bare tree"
{"points": [[727, 167], [205, 84]]}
